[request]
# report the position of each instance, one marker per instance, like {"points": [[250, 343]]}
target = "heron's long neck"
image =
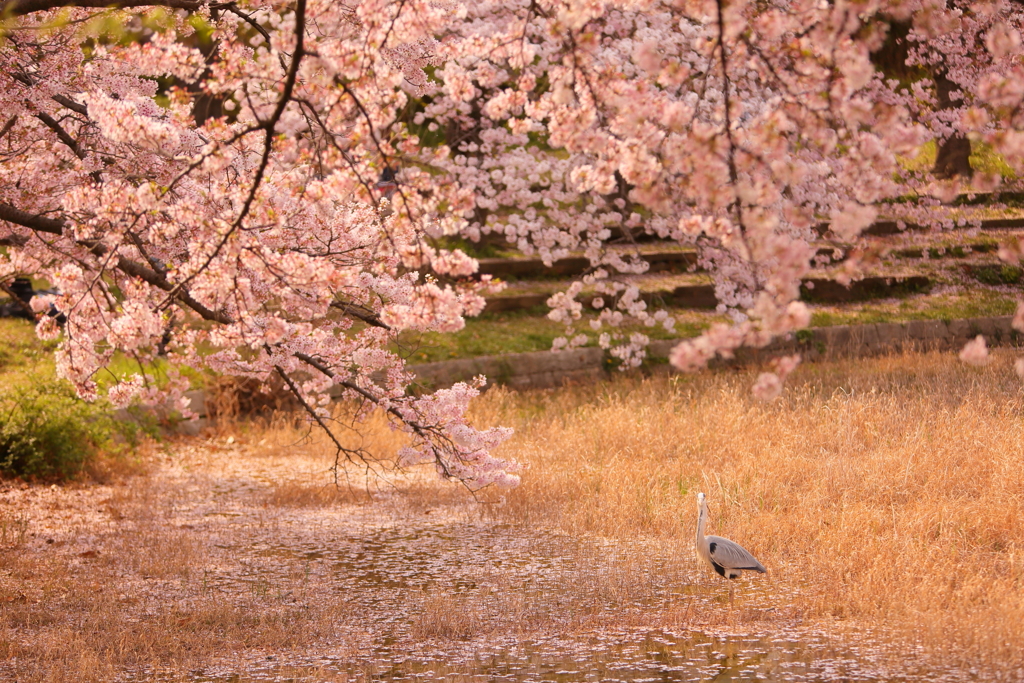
{"points": [[702, 522]]}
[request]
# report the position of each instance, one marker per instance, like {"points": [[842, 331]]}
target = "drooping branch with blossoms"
{"points": [[732, 127], [258, 233]]}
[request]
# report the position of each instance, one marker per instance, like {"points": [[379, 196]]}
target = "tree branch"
{"points": [[35, 222], [249, 20], [17, 8], [361, 313], [319, 420], [127, 266], [66, 138], [268, 141], [423, 431], [7, 126], [69, 103], [152, 277], [13, 240]]}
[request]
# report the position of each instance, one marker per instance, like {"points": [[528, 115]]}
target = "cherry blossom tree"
{"points": [[257, 232], [266, 187], [732, 127]]}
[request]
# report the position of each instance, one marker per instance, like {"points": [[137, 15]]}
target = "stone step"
{"points": [[529, 268], [877, 229], [882, 228], [816, 290], [680, 261]]}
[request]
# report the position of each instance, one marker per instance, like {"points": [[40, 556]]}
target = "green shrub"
{"points": [[998, 274], [47, 432]]}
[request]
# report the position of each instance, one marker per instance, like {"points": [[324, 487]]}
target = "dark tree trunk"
{"points": [[954, 154], [953, 158]]}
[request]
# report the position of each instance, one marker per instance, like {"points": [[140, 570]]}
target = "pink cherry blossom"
{"points": [[975, 352], [225, 208], [1018, 318], [768, 386]]}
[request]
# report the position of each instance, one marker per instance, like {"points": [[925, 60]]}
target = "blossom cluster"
{"points": [[735, 129], [251, 241]]}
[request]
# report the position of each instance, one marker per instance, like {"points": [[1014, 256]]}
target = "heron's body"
{"points": [[727, 558]]}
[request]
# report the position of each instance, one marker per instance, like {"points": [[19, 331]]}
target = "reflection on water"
{"points": [[632, 657], [382, 575], [615, 656]]}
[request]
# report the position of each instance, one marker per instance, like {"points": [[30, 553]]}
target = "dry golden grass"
{"points": [[887, 493], [448, 616], [136, 600]]}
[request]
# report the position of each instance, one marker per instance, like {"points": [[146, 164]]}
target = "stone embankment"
{"points": [[818, 290], [882, 228], [679, 261], [547, 369]]}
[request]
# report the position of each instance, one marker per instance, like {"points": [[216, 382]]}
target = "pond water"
{"points": [[525, 605], [614, 656]]}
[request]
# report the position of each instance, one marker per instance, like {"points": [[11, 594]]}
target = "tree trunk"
{"points": [[954, 153]]}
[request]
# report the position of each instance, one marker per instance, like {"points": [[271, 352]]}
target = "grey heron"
{"points": [[726, 557]]}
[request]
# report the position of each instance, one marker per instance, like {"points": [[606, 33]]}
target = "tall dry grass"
{"points": [[887, 493], [87, 617]]}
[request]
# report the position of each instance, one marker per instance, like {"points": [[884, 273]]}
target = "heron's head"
{"points": [[700, 499]]}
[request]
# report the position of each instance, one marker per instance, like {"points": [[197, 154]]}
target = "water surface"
{"points": [[545, 608]]}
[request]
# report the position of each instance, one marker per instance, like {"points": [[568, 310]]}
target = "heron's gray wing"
{"points": [[732, 555]]}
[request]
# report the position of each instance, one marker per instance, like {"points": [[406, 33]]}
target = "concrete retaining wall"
{"points": [[535, 370], [546, 369]]}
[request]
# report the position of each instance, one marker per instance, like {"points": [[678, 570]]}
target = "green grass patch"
{"points": [[22, 353], [984, 159], [998, 274], [487, 247], [529, 330], [521, 332], [46, 431], [922, 161], [24, 357], [974, 304], [122, 367], [488, 334]]}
